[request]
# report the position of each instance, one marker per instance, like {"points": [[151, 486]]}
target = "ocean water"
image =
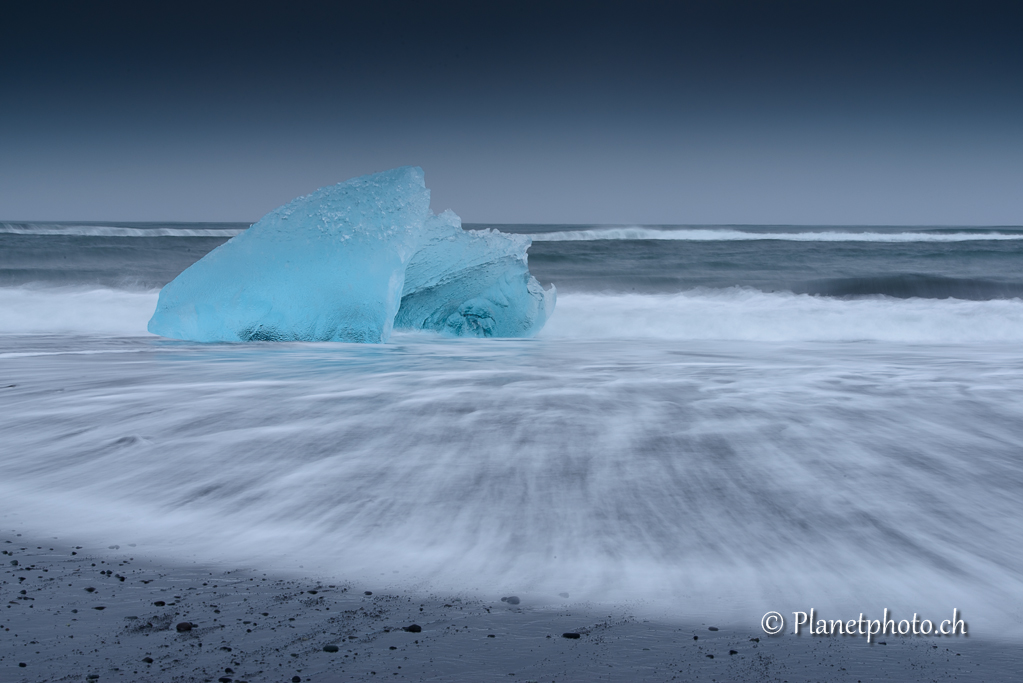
{"points": [[716, 421]]}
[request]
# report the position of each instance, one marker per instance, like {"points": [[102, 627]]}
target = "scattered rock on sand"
{"points": [[183, 627], [330, 648], [414, 628], [513, 600], [570, 635]]}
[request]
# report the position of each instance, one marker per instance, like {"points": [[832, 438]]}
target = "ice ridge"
{"points": [[351, 262]]}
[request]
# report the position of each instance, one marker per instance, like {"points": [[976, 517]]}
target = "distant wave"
{"points": [[713, 235], [113, 231]]}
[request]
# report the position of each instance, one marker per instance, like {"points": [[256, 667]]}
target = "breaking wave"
{"points": [[114, 231], [735, 313], [716, 235]]}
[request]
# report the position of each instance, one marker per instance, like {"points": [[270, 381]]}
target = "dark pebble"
{"points": [[312, 592], [513, 600], [392, 648], [713, 628], [147, 660], [573, 636], [330, 648], [159, 603], [90, 589], [696, 637], [710, 656], [14, 563], [296, 679], [881, 642], [368, 593], [99, 607], [92, 677], [183, 626], [414, 628], [491, 635], [22, 664], [224, 679], [733, 652], [754, 640]]}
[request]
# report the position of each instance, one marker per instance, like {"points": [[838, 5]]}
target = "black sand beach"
{"points": [[74, 613]]}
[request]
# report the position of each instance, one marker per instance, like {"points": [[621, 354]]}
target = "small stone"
{"points": [[312, 592], [147, 660], [513, 600], [14, 563], [713, 628], [733, 652], [414, 628], [296, 679], [22, 664], [330, 648], [573, 636], [90, 589], [491, 635], [696, 637], [368, 593], [710, 656], [183, 627], [99, 607], [159, 603], [224, 679]]}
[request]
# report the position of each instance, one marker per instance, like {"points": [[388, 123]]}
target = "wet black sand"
{"points": [[74, 613]]}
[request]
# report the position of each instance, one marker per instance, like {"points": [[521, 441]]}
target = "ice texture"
{"points": [[351, 262]]}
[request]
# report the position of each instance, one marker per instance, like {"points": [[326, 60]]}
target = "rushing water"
{"points": [[716, 421]]}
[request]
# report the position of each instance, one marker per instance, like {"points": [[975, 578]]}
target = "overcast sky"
{"points": [[708, 112]]}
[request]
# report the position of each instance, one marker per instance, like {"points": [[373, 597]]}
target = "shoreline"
{"points": [[241, 624]]}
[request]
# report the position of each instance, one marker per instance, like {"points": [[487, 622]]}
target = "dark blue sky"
{"points": [[704, 112]]}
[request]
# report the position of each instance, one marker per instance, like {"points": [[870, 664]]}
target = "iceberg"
{"points": [[352, 262]]}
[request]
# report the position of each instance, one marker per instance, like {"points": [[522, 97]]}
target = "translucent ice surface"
{"points": [[337, 265], [472, 283]]}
